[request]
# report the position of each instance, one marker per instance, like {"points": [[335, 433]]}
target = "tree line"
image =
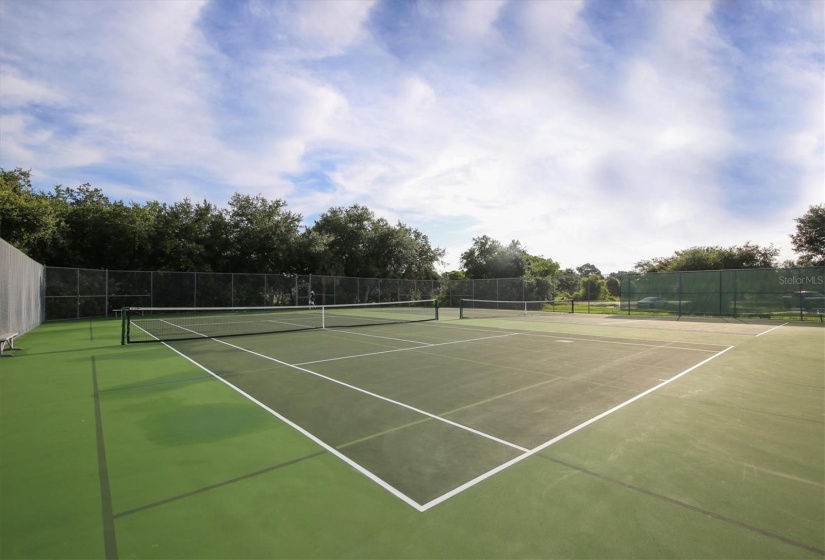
{"points": [[81, 227], [489, 258]]}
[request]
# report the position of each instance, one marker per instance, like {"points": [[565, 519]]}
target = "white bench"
{"points": [[7, 338]]}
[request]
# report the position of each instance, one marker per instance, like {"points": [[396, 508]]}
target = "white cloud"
{"points": [[19, 91], [468, 20], [537, 121]]}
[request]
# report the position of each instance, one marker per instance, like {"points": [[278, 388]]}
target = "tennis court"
{"points": [[538, 436], [475, 399]]}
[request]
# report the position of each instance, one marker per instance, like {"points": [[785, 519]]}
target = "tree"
{"points": [[542, 267], [129, 244], [588, 269], [347, 232], [809, 239], [84, 240], [454, 275], [488, 258], [27, 219], [614, 286], [411, 255], [354, 242], [189, 237], [713, 258], [568, 281], [591, 288], [510, 261], [614, 283], [477, 261], [263, 234]]}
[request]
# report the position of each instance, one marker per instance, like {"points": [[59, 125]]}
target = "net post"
{"points": [[436, 310], [461, 308], [323, 317], [572, 305]]}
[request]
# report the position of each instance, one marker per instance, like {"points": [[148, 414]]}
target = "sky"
{"points": [[604, 132]]}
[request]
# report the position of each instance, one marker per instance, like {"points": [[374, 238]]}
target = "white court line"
{"points": [[378, 336], [175, 325], [377, 396], [663, 345], [386, 486], [773, 329], [510, 463], [424, 345], [469, 484], [573, 337]]}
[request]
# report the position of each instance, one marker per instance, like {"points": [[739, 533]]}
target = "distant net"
{"points": [[153, 324], [484, 308]]}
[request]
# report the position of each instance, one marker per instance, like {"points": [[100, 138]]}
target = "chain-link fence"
{"points": [[22, 289], [75, 293], [793, 293], [452, 292]]}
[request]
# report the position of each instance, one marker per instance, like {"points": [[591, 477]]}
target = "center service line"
{"points": [[377, 396], [382, 483], [423, 345]]}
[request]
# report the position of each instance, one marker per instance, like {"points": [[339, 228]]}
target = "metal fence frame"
{"points": [[74, 293]]}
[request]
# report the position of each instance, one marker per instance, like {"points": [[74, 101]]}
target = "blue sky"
{"points": [[591, 131]]}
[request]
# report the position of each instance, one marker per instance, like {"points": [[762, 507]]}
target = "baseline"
{"points": [[478, 479]]}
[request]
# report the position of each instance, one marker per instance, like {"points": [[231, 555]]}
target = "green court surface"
{"points": [[566, 436]]}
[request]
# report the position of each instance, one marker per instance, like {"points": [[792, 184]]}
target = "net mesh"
{"points": [[484, 308], [152, 324]]}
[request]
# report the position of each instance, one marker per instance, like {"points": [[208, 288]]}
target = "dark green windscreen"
{"points": [[769, 293]]}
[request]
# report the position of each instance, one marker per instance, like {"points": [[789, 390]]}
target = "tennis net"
{"points": [[485, 309], [152, 324]]}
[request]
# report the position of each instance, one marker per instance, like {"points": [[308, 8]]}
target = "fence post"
{"points": [[680, 293]]}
